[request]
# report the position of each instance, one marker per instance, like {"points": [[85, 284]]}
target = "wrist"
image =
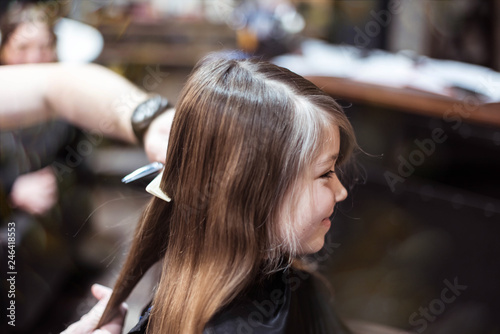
{"points": [[157, 135], [145, 113]]}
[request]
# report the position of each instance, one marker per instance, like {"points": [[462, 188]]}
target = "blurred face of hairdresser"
{"points": [[30, 43], [320, 191]]}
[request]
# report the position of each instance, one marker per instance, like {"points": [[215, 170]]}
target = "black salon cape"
{"points": [[290, 302]]}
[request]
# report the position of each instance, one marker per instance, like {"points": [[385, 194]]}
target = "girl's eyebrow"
{"points": [[328, 160]]}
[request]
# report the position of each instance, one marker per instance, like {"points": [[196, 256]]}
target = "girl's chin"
{"points": [[314, 246]]}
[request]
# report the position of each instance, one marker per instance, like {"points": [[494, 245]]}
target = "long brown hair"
{"points": [[243, 133]]}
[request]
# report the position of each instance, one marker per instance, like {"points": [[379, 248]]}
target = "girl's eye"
{"points": [[328, 175]]}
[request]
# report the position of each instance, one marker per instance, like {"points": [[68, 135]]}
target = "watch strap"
{"points": [[144, 114]]}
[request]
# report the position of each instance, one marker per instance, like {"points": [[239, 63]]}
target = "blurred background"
{"points": [[415, 245]]}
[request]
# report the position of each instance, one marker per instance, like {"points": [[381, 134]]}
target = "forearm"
{"points": [[89, 96]]}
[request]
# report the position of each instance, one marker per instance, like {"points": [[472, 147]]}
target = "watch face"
{"points": [[146, 110], [145, 113]]}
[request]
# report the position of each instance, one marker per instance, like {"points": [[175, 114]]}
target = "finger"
{"points": [[73, 329], [115, 326], [100, 291], [89, 321]]}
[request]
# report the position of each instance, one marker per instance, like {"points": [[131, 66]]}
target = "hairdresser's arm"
{"points": [[89, 96]]}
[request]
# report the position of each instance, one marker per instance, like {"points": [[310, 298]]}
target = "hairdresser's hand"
{"points": [[156, 138], [36, 192], [87, 323]]}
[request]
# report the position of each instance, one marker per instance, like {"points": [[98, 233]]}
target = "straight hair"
{"points": [[244, 133]]}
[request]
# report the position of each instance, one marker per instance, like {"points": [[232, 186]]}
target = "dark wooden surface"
{"points": [[409, 100]]}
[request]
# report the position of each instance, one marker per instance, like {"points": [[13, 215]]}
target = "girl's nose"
{"points": [[340, 191]]}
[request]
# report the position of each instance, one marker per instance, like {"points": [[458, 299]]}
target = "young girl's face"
{"points": [[320, 191]]}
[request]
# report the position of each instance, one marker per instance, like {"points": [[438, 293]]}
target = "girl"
{"points": [[252, 170]]}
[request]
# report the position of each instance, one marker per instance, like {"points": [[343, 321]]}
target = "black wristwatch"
{"points": [[145, 113]]}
